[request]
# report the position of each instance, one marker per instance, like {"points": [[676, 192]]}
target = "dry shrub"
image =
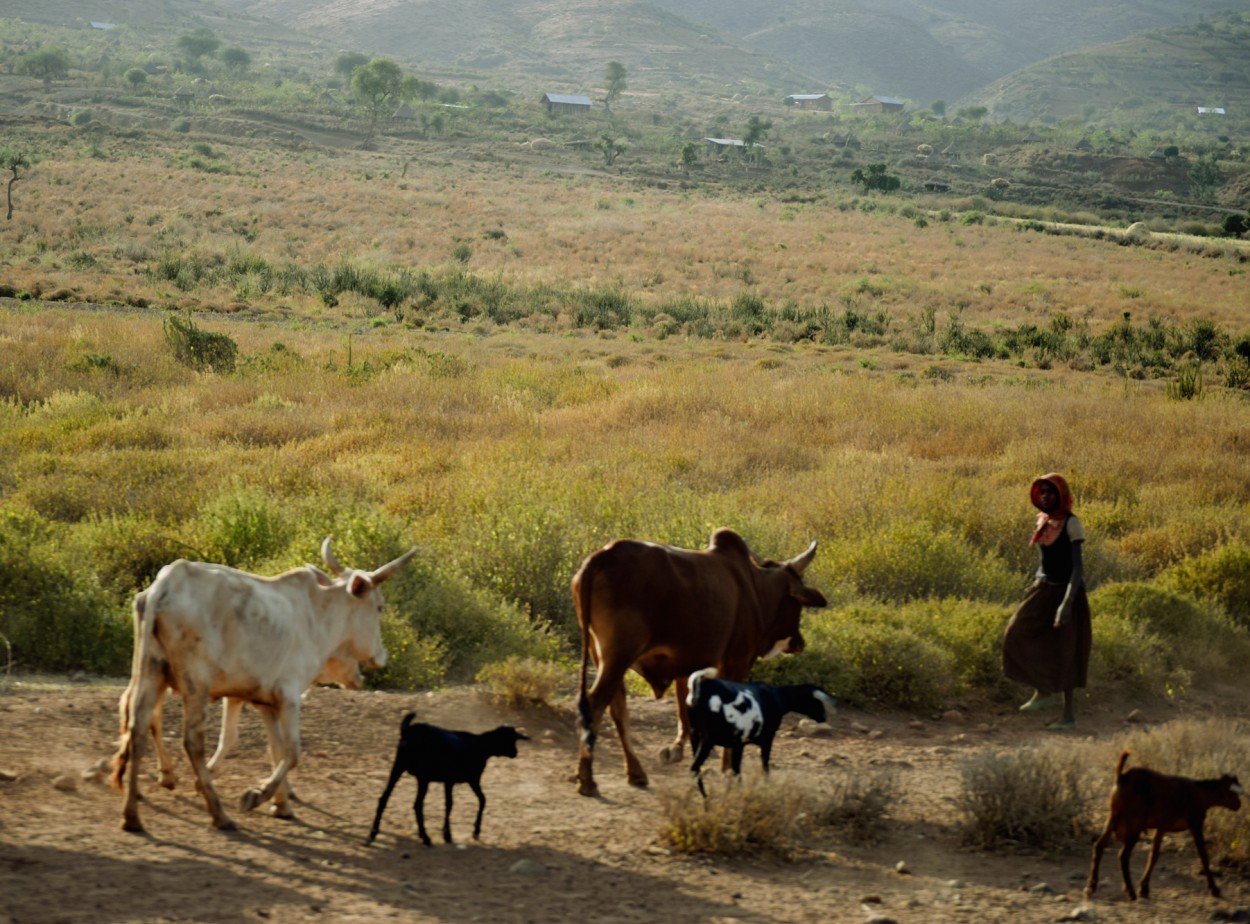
{"points": [[859, 806], [517, 681], [746, 815], [1202, 749], [1031, 797]]}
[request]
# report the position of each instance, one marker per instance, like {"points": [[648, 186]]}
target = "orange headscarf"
{"points": [[1050, 525]]}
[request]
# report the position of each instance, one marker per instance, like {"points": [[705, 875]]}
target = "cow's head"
{"points": [[363, 636], [792, 595]]}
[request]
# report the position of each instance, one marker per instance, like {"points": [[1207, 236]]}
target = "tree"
{"points": [[236, 58], [757, 131], [12, 160], [689, 154], [938, 108], [47, 64], [378, 85], [972, 113], [1236, 225], [347, 62], [875, 177], [611, 149], [1205, 177], [198, 44], [615, 83], [136, 77]]}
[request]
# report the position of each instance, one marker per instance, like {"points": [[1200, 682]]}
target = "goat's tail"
{"points": [[1119, 768], [692, 695], [408, 720]]}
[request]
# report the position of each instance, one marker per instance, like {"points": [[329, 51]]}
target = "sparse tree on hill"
{"points": [[12, 161], [757, 131], [689, 154], [615, 83], [875, 177], [972, 113], [611, 149], [236, 58], [136, 77], [201, 43], [47, 64], [938, 108], [378, 85], [1205, 177], [347, 62]]}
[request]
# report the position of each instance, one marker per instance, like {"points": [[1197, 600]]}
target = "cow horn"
{"points": [[800, 562], [328, 557], [389, 569]]}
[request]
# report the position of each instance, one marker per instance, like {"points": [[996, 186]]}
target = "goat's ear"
{"points": [[520, 734]]}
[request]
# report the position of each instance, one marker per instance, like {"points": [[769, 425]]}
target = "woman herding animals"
{"points": [[1048, 640]]}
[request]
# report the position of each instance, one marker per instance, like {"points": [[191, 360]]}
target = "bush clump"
{"points": [[753, 815]]}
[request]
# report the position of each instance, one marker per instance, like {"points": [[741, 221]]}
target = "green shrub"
{"points": [[517, 682], [414, 662], [1221, 574], [199, 349], [1031, 797], [52, 610], [245, 528]]}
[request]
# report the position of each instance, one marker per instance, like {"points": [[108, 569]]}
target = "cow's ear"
{"points": [[322, 578], [809, 596], [359, 585]]}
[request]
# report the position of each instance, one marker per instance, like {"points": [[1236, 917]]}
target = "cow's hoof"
{"points": [[133, 825], [283, 811], [672, 755], [250, 799], [638, 781], [225, 823], [587, 789], [168, 781]]}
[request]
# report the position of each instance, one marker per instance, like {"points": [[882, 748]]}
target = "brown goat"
{"points": [[1142, 800]]}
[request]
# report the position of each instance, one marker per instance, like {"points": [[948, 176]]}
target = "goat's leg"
{"points": [[447, 800], [1096, 858], [396, 772], [735, 758], [1143, 887], [476, 786], [1126, 854], [766, 750], [702, 751], [1201, 844], [419, 808]]}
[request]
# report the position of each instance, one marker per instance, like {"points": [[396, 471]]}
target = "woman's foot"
{"points": [[1038, 702]]}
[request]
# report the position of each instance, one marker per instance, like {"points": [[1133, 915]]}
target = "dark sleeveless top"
{"points": [[1055, 566]]}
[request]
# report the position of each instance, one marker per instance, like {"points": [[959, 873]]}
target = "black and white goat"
{"points": [[732, 715], [436, 755]]}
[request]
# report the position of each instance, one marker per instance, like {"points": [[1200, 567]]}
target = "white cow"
{"points": [[208, 632]]}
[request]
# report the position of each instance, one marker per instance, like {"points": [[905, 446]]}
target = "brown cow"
{"points": [[668, 612]]}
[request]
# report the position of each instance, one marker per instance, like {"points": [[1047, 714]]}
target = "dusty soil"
{"points": [[63, 857]]}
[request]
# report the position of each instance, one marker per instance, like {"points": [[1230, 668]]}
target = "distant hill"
{"points": [[1154, 80]]}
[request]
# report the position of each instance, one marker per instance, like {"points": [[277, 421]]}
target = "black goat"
{"points": [[733, 715], [436, 755]]}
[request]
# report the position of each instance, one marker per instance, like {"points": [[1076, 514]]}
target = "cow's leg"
{"points": [[447, 791], [476, 786], [591, 705], [163, 758], [137, 702], [231, 709], [673, 753], [1143, 887], [418, 808], [273, 731], [195, 708], [285, 736], [619, 710]]}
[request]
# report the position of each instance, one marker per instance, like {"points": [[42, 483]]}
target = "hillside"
{"points": [[1154, 80]]}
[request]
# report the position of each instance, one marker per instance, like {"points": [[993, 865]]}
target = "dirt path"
{"points": [[547, 855]]}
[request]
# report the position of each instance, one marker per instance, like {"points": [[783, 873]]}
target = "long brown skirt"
{"points": [[1036, 653]]}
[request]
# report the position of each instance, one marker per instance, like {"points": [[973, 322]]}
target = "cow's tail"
{"points": [[125, 708], [1119, 768], [584, 581], [697, 678]]}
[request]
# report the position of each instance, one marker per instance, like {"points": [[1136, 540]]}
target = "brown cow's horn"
{"points": [[800, 562], [388, 570], [328, 557]]}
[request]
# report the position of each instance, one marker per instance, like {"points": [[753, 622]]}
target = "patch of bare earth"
{"points": [[63, 857]]}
